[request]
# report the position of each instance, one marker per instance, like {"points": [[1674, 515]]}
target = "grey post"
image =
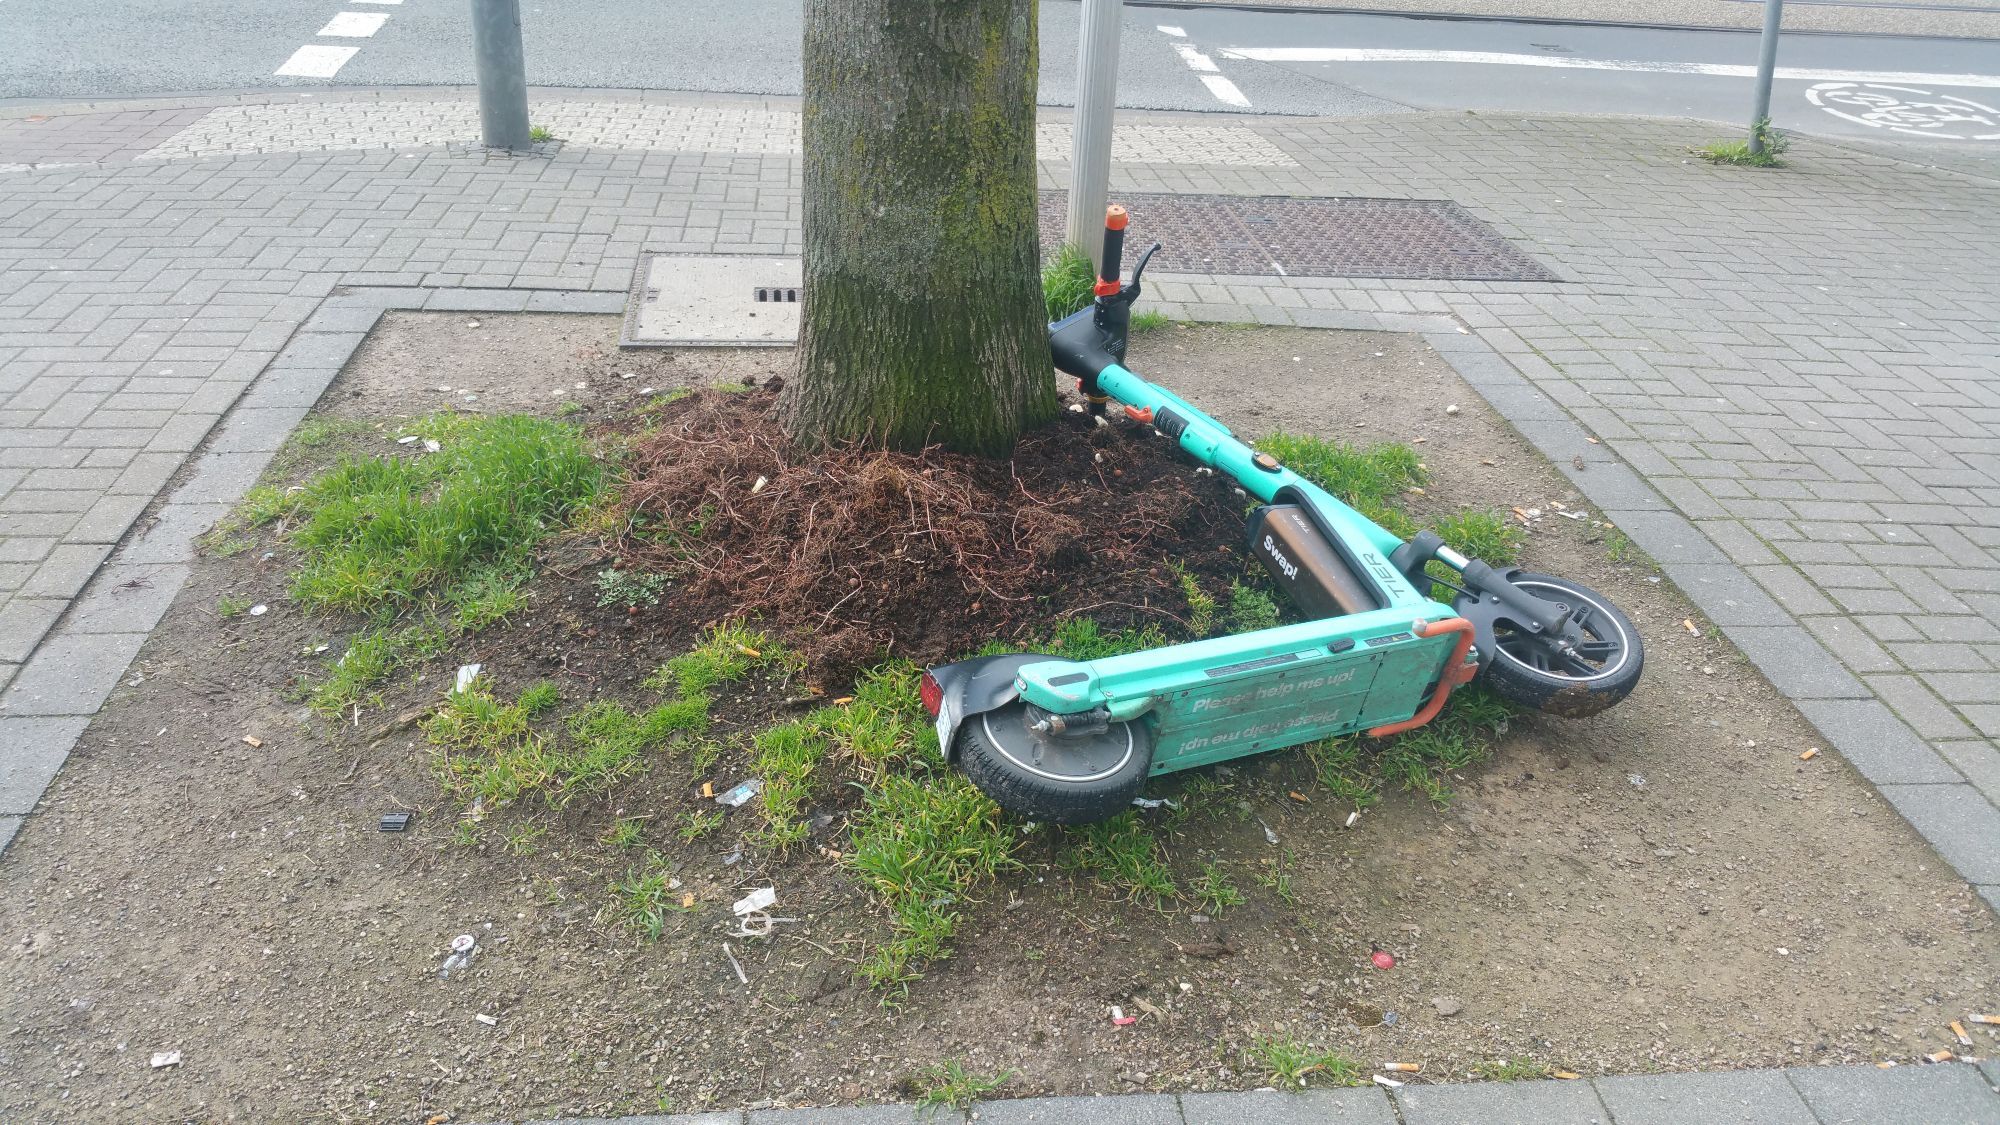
{"points": [[503, 79], [1090, 143], [1767, 61]]}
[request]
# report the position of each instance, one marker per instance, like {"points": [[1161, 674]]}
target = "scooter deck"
{"points": [[1210, 701]]}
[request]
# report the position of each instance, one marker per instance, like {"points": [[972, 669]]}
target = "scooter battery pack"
{"points": [[1305, 566]]}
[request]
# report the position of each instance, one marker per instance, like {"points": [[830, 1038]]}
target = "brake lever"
{"points": [[1141, 267]]}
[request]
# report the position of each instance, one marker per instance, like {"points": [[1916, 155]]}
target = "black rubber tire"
{"points": [[1571, 695], [1043, 798]]}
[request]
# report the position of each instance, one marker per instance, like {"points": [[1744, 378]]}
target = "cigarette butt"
{"points": [[1688, 624], [1403, 1068], [1593, 441], [843, 701], [1565, 1075], [1939, 1056], [1810, 753], [1389, 1082], [1486, 460], [708, 789], [253, 742], [1884, 1065], [1958, 1029], [1983, 1019], [1297, 796], [749, 652]]}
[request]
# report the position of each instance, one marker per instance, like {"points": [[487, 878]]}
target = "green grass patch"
{"points": [[1294, 1065], [379, 531], [1068, 280], [950, 1084], [1509, 1070], [646, 899], [1354, 768], [1368, 479], [1213, 892], [371, 658], [1202, 617], [925, 843], [486, 598], [1250, 609], [698, 823], [1124, 854], [229, 605], [1149, 320], [625, 832], [1774, 142]]}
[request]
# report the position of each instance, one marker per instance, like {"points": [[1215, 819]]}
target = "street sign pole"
{"points": [[1090, 142], [1767, 61], [502, 73]]}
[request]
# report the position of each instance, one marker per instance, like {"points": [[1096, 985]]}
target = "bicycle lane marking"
{"points": [[1922, 113], [322, 60], [1205, 69]]}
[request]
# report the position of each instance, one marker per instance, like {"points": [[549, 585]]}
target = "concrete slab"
{"points": [[1746, 1097], [1951, 1094]]}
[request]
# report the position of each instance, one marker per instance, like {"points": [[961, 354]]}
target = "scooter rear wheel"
{"points": [[1526, 669], [1064, 779]]}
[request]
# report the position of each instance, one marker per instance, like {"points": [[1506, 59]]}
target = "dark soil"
{"points": [[853, 556], [1665, 887]]}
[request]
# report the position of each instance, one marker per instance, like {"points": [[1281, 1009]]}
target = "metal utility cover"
{"points": [[712, 300]]}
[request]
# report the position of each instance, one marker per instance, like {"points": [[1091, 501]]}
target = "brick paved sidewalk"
{"points": [[1794, 376]]}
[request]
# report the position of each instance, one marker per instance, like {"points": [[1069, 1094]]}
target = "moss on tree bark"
{"points": [[923, 318]]}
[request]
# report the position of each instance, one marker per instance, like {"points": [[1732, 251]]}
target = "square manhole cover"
{"points": [[1307, 236], [712, 300]]}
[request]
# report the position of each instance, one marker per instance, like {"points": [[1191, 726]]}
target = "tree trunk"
{"points": [[923, 320]]}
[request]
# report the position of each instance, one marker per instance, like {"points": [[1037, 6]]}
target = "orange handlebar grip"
{"points": [[1115, 217]]}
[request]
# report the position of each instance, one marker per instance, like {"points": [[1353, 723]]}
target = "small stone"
{"points": [[1447, 1005], [165, 1059], [1452, 409], [489, 1021]]}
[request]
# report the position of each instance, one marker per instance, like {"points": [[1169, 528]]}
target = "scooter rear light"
{"points": [[932, 694]]}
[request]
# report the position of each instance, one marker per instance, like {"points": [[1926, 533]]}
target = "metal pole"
{"points": [[1090, 142], [1767, 61], [503, 80]]}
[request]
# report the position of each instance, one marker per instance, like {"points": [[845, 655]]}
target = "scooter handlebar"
{"points": [[1115, 220]]}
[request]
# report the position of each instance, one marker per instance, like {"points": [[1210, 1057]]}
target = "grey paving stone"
{"points": [[1991, 893], [1991, 1069], [223, 478], [1978, 760], [1310, 1107], [65, 571], [650, 1119], [1960, 823], [1725, 594], [342, 317], [1131, 1109], [1501, 1103], [70, 674], [1794, 662], [171, 536], [478, 300], [257, 429], [1953, 1094], [838, 1115], [127, 598], [1877, 743], [1668, 538], [31, 751], [10, 826], [317, 350], [575, 301], [23, 624], [1745, 1097]]}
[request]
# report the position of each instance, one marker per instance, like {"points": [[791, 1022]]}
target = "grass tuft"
{"points": [[1067, 282], [1122, 853], [1774, 141], [377, 531], [1369, 480], [1291, 1064], [950, 1084]]}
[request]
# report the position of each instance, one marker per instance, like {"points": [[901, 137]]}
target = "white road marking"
{"points": [[1195, 59], [1205, 69], [316, 61], [354, 25], [1905, 109], [1176, 32], [1225, 91], [1560, 62], [378, 1]]}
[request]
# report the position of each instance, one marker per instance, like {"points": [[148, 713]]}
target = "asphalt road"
{"points": [[1198, 58]]}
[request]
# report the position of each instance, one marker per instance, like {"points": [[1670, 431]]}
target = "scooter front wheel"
{"points": [[1071, 778], [1527, 669]]}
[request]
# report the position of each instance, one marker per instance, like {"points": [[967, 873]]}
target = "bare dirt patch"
{"points": [[1665, 887]]}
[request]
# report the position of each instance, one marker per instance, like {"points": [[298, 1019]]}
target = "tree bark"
{"points": [[923, 320]]}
